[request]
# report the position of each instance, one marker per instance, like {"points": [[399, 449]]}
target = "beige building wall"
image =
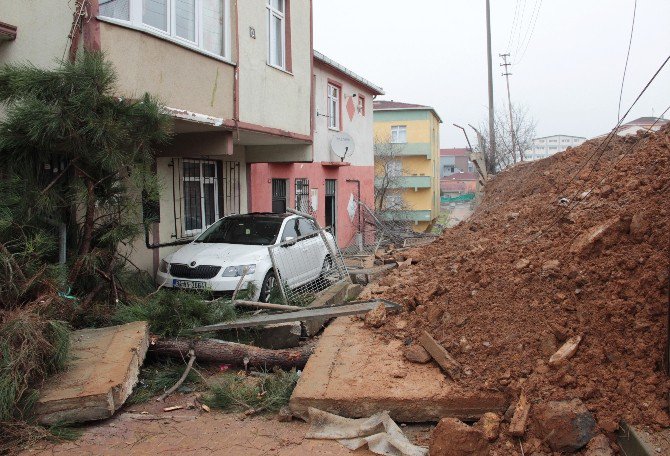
{"points": [[271, 97], [180, 78]]}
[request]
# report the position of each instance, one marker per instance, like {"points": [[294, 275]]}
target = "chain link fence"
{"points": [[306, 266]]}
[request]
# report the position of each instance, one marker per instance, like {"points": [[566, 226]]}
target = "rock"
{"points": [[522, 263], [401, 324], [512, 215], [452, 437], [599, 446], [550, 266], [572, 424], [417, 354], [639, 226], [284, 414], [489, 423], [376, 317]]}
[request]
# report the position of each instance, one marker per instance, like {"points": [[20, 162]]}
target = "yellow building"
{"points": [[407, 162]]}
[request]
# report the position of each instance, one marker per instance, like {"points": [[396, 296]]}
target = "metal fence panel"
{"points": [[307, 266]]}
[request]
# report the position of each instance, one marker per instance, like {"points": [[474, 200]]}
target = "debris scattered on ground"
{"points": [[379, 432], [517, 426], [440, 355], [452, 437], [572, 424], [173, 408], [417, 354], [502, 293], [376, 317]]}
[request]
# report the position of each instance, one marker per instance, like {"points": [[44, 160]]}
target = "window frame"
{"points": [[202, 180], [338, 115], [135, 21], [301, 183], [400, 128], [361, 104], [283, 17]]}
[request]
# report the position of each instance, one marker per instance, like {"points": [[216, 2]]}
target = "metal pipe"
{"points": [[466, 136]]}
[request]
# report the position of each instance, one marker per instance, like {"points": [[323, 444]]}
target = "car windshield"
{"points": [[243, 230]]}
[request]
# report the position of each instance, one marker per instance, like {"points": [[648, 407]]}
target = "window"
{"points": [[306, 227], [361, 105], [471, 167], [399, 134], [302, 195], [553, 140], [202, 24], [201, 195], [334, 93], [394, 168], [277, 33], [290, 230], [393, 202]]}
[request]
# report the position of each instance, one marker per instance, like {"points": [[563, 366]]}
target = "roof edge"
{"points": [[344, 70]]}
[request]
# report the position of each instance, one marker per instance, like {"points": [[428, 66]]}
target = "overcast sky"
{"points": [[434, 52]]}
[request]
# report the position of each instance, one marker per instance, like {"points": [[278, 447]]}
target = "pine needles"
{"points": [[267, 393]]}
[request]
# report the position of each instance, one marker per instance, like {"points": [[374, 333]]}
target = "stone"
{"points": [[550, 266], [417, 354], [572, 424], [376, 317], [284, 415], [353, 291], [521, 264], [489, 423], [639, 226], [452, 437], [599, 446], [567, 351]]}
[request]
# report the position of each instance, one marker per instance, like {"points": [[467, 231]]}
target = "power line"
{"points": [[630, 41], [536, 15], [514, 24]]}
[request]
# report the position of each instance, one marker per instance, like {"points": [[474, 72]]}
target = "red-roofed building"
{"points": [[457, 172]]}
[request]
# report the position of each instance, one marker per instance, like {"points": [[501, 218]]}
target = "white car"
{"points": [[216, 259]]}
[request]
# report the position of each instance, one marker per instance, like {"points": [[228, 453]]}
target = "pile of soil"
{"points": [[557, 248]]}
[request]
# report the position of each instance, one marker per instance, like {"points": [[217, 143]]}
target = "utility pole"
{"points": [[507, 74], [492, 135]]}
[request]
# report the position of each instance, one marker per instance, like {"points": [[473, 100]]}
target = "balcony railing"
{"points": [[411, 216], [406, 182]]}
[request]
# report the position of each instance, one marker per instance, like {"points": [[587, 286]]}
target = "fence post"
{"points": [[277, 275]]}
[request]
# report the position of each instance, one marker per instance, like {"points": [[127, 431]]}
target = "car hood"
{"points": [[218, 254]]}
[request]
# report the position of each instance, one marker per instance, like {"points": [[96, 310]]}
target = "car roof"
{"points": [[263, 214]]}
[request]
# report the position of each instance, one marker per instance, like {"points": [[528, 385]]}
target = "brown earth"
{"points": [[503, 290]]}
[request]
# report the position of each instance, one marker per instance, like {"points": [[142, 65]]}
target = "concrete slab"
{"points": [[333, 296], [101, 373], [354, 373]]}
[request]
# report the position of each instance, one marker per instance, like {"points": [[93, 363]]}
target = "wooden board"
{"points": [[302, 315], [440, 355], [101, 372], [517, 426]]}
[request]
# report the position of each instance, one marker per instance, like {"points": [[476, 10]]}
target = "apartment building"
{"points": [[457, 172], [341, 170], [550, 145], [236, 76], [412, 132]]}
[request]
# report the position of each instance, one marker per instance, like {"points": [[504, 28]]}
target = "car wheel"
{"points": [[269, 283]]}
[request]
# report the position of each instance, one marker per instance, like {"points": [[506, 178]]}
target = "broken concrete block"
{"points": [[353, 291], [417, 354], [489, 423], [517, 426], [331, 297], [376, 317], [599, 446], [567, 351], [101, 372], [452, 437], [279, 335], [572, 424], [284, 415]]}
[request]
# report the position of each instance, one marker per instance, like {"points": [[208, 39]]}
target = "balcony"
{"points": [[410, 216], [415, 182], [411, 149]]}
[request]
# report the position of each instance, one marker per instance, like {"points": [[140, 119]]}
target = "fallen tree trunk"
{"points": [[219, 351]]}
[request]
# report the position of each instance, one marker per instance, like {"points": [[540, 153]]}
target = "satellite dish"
{"points": [[342, 145]]}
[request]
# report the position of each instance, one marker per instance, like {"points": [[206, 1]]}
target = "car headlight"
{"points": [[164, 266], [236, 271]]}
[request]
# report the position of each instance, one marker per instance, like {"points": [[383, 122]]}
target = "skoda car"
{"points": [[216, 259]]}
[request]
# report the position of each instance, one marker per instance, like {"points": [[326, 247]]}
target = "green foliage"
{"points": [[32, 347], [157, 378], [267, 393], [174, 313]]}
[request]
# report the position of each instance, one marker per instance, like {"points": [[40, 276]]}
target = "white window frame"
{"points": [[135, 22], [399, 134], [334, 104], [394, 168], [203, 180], [281, 15]]}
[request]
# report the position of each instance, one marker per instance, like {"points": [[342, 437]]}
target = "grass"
{"points": [[175, 313], [266, 393], [158, 377]]}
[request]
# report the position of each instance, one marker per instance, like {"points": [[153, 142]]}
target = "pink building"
{"points": [[342, 166]]}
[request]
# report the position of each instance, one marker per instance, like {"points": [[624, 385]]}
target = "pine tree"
{"points": [[72, 152]]}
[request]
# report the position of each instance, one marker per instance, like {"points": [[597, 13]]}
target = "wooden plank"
{"points": [[440, 355], [517, 426], [268, 306], [301, 315], [567, 351]]}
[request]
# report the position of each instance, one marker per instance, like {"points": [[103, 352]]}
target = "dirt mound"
{"points": [[558, 248]]}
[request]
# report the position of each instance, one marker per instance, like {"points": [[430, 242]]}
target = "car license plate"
{"points": [[189, 284]]}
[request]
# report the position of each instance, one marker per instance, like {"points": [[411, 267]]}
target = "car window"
{"points": [[243, 230], [290, 230], [306, 227]]}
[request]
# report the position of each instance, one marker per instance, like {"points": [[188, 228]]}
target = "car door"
{"points": [[289, 257], [313, 247]]}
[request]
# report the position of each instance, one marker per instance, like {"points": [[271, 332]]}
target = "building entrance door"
{"points": [[331, 204], [278, 196]]}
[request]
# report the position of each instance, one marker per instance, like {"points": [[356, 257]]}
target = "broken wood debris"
{"points": [[441, 355], [173, 408], [567, 351], [267, 306], [517, 427], [356, 308]]}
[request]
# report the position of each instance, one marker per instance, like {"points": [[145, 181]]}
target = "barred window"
{"points": [[302, 194]]}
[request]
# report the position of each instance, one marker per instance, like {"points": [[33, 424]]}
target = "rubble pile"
{"points": [[562, 253]]}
